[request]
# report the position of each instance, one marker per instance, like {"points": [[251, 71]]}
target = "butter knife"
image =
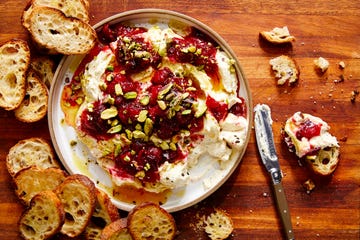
{"points": [[266, 147]]}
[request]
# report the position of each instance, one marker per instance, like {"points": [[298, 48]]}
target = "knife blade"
{"points": [[267, 150]]}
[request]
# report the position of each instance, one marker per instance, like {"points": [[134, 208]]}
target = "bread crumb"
{"points": [[354, 94], [342, 65], [309, 185], [322, 64]]}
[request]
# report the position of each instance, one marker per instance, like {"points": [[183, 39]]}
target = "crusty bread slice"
{"points": [[44, 67], [43, 218], [71, 8], [77, 194], [117, 230], [285, 69], [50, 28], [278, 35], [105, 212], [218, 225], [150, 221], [325, 161], [30, 181], [35, 103], [30, 152], [14, 62]]}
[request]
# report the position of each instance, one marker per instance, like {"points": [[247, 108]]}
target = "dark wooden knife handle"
{"points": [[283, 210]]}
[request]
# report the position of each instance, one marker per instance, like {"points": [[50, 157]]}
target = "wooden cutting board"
{"points": [[329, 29]]}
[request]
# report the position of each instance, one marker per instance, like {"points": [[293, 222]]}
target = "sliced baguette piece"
{"points": [[285, 69], [77, 194], [30, 181], [30, 152], [116, 230], [35, 103], [278, 35], [43, 218], [218, 225], [14, 62], [105, 212], [150, 221], [71, 8], [50, 28], [44, 67]]}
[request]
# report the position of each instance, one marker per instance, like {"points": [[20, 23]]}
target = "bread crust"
{"points": [[14, 63], [30, 152], [149, 220], [116, 230], [77, 194], [51, 29], [44, 217], [35, 103]]}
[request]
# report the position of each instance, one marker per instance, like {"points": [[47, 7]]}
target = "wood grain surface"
{"points": [[325, 28]]}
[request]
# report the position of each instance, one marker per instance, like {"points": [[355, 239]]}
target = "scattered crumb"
{"points": [[322, 64], [341, 79], [342, 65], [354, 94], [309, 185], [265, 194]]}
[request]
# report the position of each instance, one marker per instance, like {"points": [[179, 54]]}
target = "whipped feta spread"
{"points": [[308, 134], [164, 78]]}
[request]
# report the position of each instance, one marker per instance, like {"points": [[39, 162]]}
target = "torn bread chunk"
{"points": [[321, 64], [278, 35], [285, 69]]}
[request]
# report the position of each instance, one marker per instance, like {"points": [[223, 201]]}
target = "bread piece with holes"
{"points": [[30, 152], [51, 29], [116, 230], [150, 221], [285, 69], [35, 103], [44, 67], [105, 212], [218, 225], [77, 194], [14, 62], [278, 35], [43, 218], [71, 8], [30, 181]]}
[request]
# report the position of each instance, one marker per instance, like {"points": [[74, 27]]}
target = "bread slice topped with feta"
{"points": [[309, 138], [14, 62]]}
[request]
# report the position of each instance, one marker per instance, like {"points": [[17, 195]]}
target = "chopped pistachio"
{"points": [[164, 90], [172, 146], [133, 152], [90, 107], [115, 129], [138, 127], [186, 112], [161, 104], [114, 122], [145, 100], [109, 100], [148, 126], [157, 141], [164, 145], [102, 86], [190, 89], [200, 109], [79, 100], [109, 113], [138, 134], [67, 104], [130, 95], [110, 68], [192, 49], [129, 134], [142, 116], [127, 158], [117, 150], [147, 166], [140, 174], [118, 89]]}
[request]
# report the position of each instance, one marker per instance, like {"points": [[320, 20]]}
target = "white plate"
{"points": [[77, 159]]}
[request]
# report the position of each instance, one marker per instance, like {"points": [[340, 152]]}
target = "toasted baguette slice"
{"points": [[35, 103], [325, 161], [44, 68], [30, 181], [105, 212], [71, 8], [50, 28], [14, 62], [116, 230], [285, 69], [150, 221], [77, 194], [30, 152], [218, 225], [43, 218], [278, 35]]}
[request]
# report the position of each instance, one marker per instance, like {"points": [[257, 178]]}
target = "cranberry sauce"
{"points": [[308, 129]]}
